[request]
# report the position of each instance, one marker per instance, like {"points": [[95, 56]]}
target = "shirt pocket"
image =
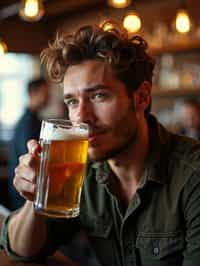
{"points": [[161, 249]]}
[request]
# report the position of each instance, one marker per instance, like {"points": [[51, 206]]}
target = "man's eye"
{"points": [[99, 96], [71, 102]]}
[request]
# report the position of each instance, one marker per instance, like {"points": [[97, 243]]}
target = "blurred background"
{"points": [[171, 28]]}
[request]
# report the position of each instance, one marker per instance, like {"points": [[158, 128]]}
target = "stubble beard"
{"points": [[117, 151]]}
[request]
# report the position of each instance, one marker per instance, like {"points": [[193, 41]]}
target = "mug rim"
{"points": [[65, 122]]}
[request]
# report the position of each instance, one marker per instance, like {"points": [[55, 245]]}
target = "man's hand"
{"points": [[27, 170]]}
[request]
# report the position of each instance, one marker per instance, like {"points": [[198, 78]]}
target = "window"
{"points": [[15, 72]]}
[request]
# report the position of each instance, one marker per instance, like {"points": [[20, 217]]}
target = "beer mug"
{"points": [[62, 165]]}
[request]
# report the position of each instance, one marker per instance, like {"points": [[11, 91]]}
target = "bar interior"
{"points": [[172, 30]]}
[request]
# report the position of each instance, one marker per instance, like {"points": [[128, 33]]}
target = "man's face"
{"points": [[94, 96]]}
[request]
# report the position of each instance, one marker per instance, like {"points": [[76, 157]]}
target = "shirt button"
{"points": [[156, 251]]}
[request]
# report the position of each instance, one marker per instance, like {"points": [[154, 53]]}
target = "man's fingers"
{"points": [[34, 147], [24, 187], [27, 170], [26, 173], [29, 160]]}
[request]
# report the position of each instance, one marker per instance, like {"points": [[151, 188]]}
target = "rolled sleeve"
{"points": [[4, 243], [59, 232]]}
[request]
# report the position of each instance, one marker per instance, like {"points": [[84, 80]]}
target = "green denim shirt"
{"points": [[160, 227]]}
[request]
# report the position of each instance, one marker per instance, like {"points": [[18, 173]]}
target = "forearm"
{"points": [[27, 231]]}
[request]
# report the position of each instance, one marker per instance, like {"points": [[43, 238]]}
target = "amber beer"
{"points": [[62, 168]]}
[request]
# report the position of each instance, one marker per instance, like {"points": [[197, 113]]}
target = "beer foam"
{"points": [[50, 133]]}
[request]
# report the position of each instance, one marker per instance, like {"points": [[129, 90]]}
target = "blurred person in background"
{"points": [[140, 203], [190, 119], [28, 127]]}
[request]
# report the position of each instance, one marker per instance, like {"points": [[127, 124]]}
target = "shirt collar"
{"points": [[156, 169]]}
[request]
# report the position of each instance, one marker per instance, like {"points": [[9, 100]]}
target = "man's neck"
{"points": [[129, 166]]}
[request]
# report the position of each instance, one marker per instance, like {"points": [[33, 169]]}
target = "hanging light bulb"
{"points": [[183, 23], [3, 47], [119, 3], [132, 23], [31, 10], [106, 25]]}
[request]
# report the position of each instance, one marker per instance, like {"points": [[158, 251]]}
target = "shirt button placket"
{"points": [[129, 249], [129, 258]]}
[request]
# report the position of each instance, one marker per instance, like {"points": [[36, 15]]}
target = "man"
{"points": [[140, 204], [28, 127], [190, 119]]}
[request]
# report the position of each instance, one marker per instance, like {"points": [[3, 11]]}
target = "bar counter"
{"points": [[56, 260]]}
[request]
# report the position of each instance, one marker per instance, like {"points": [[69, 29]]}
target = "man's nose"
{"points": [[85, 112]]}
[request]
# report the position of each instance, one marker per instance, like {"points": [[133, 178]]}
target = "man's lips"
{"points": [[94, 135]]}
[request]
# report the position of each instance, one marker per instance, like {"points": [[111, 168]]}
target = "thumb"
{"points": [[34, 147]]}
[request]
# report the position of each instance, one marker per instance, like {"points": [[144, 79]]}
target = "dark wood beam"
{"points": [[25, 37], [61, 7]]}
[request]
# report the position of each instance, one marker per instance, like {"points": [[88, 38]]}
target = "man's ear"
{"points": [[142, 97]]}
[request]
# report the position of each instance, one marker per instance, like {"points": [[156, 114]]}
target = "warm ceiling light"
{"points": [[132, 23], [106, 25], [3, 47], [183, 23], [119, 3], [31, 10]]}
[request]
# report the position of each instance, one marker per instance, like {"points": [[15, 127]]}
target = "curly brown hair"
{"points": [[127, 56]]}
